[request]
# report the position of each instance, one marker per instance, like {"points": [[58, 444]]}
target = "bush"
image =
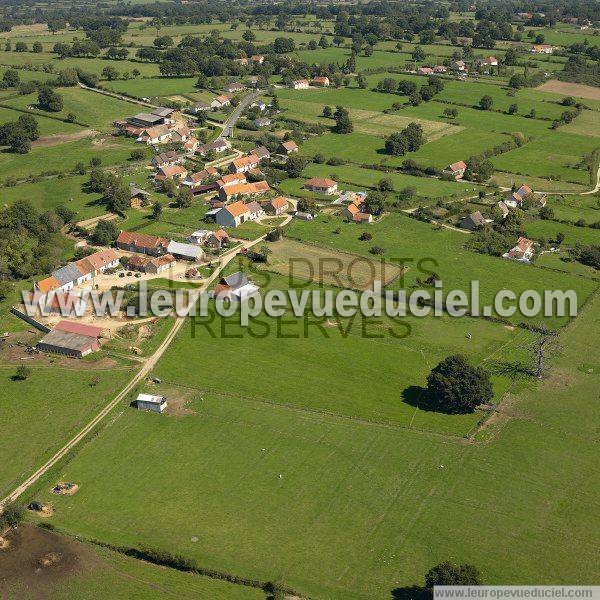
{"points": [[447, 573], [377, 250], [23, 372], [12, 515]]}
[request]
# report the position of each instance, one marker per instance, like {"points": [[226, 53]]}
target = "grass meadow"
{"points": [[360, 511], [444, 254], [39, 414]]}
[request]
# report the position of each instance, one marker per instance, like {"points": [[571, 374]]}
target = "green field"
{"points": [[157, 86], [443, 250], [556, 155], [360, 510], [96, 110], [64, 157], [358, 177], [41, 413]]}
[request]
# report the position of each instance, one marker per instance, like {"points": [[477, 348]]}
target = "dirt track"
{"points": [[54, 140]]}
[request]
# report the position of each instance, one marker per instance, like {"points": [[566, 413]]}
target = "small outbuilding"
{"points": [[150, 402]]}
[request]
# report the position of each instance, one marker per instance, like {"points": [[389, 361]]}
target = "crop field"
{"points": [[585, 124], [365, 507], [573, 235], [50, 193], [557, 156], [443, 253], [86, 571]]}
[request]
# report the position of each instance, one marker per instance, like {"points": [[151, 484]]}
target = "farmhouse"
{"points": [[166, 114], [160, 134], [235, 287], [440, 69], [490, 61], [231, 179], [261, 153], [473, 221], [217, 239], [255, 210], [352, 212], [197, 107], [138, 197], [191, 145], [456, 170], [219, 145], [300, 84], [180, 134], [261, 122], [143, 243], [321, 81], [164, 159], [199, 236], [460, 66], [71, 339], [244, 163], [515, 199], [504, 209], [523, 251], [174, 172], [158, 264], [259, 104], [151, 403], [321, 185], [76, 273], [253, 81], [542, 49], [184, 251], [194, 180], [278, 206], [425, 71], [144, 120], [234, 87], [257, 59], [243, 189], [288, 147], [233, 215], [220, 102]]}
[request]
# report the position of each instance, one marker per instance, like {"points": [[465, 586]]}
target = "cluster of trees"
{"points": [[115, 192], [408, 88], [587, 255], [19, 134], [49, 99], [410, 139], [30, 241]]}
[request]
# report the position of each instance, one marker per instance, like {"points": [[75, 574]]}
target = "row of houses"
{"points": [[75, 273], [256, 59], [304, 84]]}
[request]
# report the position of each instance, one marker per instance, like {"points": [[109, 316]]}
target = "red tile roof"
{"points": [[80, 328]]}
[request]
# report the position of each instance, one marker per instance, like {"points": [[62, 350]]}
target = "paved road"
{"points": [[139, 376], [237, 112]]}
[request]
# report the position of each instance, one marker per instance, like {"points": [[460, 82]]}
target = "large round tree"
{"points": [[455, 386], [447, 573]]}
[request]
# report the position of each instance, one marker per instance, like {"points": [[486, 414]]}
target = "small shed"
{"points": [[150, 402]]}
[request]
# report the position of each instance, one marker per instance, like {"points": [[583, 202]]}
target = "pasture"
{"points": [[556, 155], [360, 510], [153, 86], [41, 413], [64, 157], [442, 252], [95, 110], [369, 178]]}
